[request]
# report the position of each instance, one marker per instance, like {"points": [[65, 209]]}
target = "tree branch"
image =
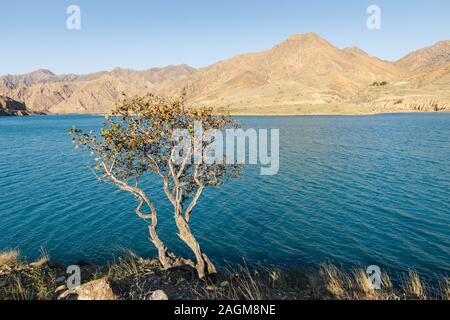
{"points": [[136, 191], [141, 214], [199, 192], [167, 190]]}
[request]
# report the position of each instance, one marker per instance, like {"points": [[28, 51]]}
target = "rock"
{"points": [[10, 107], [210, 288], [94, 290], [159, 295]]}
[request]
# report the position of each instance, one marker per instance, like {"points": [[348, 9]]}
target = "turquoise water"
{"points": [[352, 190]]}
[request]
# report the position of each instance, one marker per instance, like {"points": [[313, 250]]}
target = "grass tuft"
{"points": [[124, 267], [336, 281], [134, 278], [413, 286], [9, 258]]}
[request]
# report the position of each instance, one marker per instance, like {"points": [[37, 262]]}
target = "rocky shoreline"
{"points": [[12, 113], [10, 107], [135, 278]]}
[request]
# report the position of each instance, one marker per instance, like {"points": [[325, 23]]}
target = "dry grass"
{"points": [[9, 258], [42, 261], [355, 286], [413, 287], [124, 267], [362, 284], [23, 281], [240, 284], [343, 285], [337, 282], [29, 284], [18, 291], [329, 282], [136, 279], [446, 289], [243, 283]]}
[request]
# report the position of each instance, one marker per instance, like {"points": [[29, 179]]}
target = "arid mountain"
{"points": [[305, 70], [303, 75], [423, 91], [355, 50], [438, 76], [427, 58], [10, 107], [38, 76], [42, 91]]}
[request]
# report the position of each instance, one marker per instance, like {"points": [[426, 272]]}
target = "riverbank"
{"points": [[135, 278], [267, 114]]}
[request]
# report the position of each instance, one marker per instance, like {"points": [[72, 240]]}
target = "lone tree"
{"points": [[139, 139]]}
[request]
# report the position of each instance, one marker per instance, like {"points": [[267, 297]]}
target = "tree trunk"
{"points": [[167, 259], [204, 266]]}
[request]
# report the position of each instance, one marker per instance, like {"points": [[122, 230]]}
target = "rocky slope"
{"points": [[437, 77], [304, 70], [427, 58], [14, 81], [42, 91], [423, 91], [10, 107], [133, 278]]}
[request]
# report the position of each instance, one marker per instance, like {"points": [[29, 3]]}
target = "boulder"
{"points": [[159, 295], [94, 290]]}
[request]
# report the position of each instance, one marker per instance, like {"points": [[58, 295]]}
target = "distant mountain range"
{"points": [[44, 92], [303, 75]]}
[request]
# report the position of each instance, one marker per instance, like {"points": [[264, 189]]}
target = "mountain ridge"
{"points": [[305, 74], [91, 93], [427, 58]]}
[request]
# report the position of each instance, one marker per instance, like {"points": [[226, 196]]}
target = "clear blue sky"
{"points": [[146, 33]]}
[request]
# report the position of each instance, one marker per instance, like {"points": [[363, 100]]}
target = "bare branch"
{"points": [[167, 191], [123, 185], [158, 171], [176, 181], [193, 203], [141, 214], [199, 192]]}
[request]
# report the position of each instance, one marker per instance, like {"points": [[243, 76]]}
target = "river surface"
{"points": [[350, 190]]}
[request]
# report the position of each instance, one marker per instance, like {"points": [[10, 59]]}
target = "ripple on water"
{"points": [[354, 190]]}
